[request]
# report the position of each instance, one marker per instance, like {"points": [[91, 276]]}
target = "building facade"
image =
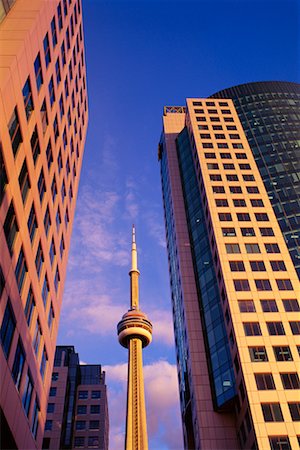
{"points": [[235, 291], [43, 111], [270, 115], [77, 411]]}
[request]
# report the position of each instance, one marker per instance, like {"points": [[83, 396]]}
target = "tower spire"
{"points": [[135, 332]]}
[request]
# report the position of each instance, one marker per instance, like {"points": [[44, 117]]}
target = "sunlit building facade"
{"points": [[234, 287], [43, 121], [77, 411]]}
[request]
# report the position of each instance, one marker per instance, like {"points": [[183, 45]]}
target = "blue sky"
{"points": [[141, 56]]}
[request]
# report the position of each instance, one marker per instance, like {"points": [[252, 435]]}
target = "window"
{"points": [[78, 441], [263, 285], [237, 266], [252, 248], [38, 72], [295, 411], [44, 117], [232, 177], [262, 217], [295, 327], [264, 381], [269, 305], [291, 305], [49, 155], [65, 7], [80, 424], [278, 266], [62, 246], [228, 232], [21, 270], [95, 409], [82, 395], [51, 91], [96, 394], [18, 365], [284, 285], [15, 131], [272, 248], [35, 417], [58, 219], [232, 248], [3, 176], [55, 128], [258, 354], [93, 442], [50, 317], [54, 376], [48, 425], [37, 337], [266, 231], [53, 31], [10, 227], [220, 136], [35, 145], [28, 100], [210, 155], [63, 55], [61, 106], [45, 291], [212, 166], [247, 177], [68, 40], [243, 217], [258, 203], [43, 363], [24, 181], [252, 189], [290, 380], [279, 443], [283, 353], [241, 156], [225, 217], [272, 412], [54, 190], [218, 189], [94, 425], [248, 231], [29, 307], [235, 189], [27, 394], [275, 328], [228, 166], [252, 328], [7, 328], [221, 202], [47, 221], [221, 144], [234, 145], [215, 177], [201, 119], [52, 392], [39, 259], [257, 266], [51, 407], [225, 156], [245, 166], [246, 306], [239, 202], [57, 72], [81, 409], [47, 50]]}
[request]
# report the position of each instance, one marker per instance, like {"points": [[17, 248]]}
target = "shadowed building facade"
{"points": [[235, 291], [77, 412], [135, 333], [43, 122]]}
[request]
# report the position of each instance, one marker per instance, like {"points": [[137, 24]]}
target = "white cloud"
{"points": [[162, 400]]}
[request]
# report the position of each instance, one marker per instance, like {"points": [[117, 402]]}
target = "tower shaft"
{"points": [[136, 426]]}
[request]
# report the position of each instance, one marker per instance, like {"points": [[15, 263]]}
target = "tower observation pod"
{"points": [[135, 333]]}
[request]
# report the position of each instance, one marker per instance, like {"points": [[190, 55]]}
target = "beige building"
{"points": [[235, 291], [43, 122]]}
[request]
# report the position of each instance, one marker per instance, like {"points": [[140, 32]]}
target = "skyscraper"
{"points": [[43, 121], [77, 412], [233, 284], [270, 115], [135, 332]]}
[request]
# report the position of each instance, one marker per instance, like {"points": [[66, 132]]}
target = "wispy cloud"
{"points": [[162, 399]]}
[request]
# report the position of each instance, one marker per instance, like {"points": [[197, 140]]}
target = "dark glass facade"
{"points": [[270, 115]]}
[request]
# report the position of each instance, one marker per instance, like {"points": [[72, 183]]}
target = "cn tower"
{"points": [[135, 333]]}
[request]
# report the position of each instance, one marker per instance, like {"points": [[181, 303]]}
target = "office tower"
{"points": [[135, 333], [77, 412], [270, 115], [233, 284], [43, 121]]}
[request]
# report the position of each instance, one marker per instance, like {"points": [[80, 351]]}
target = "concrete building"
{"points": [[77, 412], [43, 122], [235, 291], [135, 333]]}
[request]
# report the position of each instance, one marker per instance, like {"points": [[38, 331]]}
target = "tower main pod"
{"points": [[135, 333]]}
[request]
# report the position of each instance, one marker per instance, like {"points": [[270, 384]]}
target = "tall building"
{"points": [[135, 333], [233, 284], [43, 121], [270, 115], [77, 412]]}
